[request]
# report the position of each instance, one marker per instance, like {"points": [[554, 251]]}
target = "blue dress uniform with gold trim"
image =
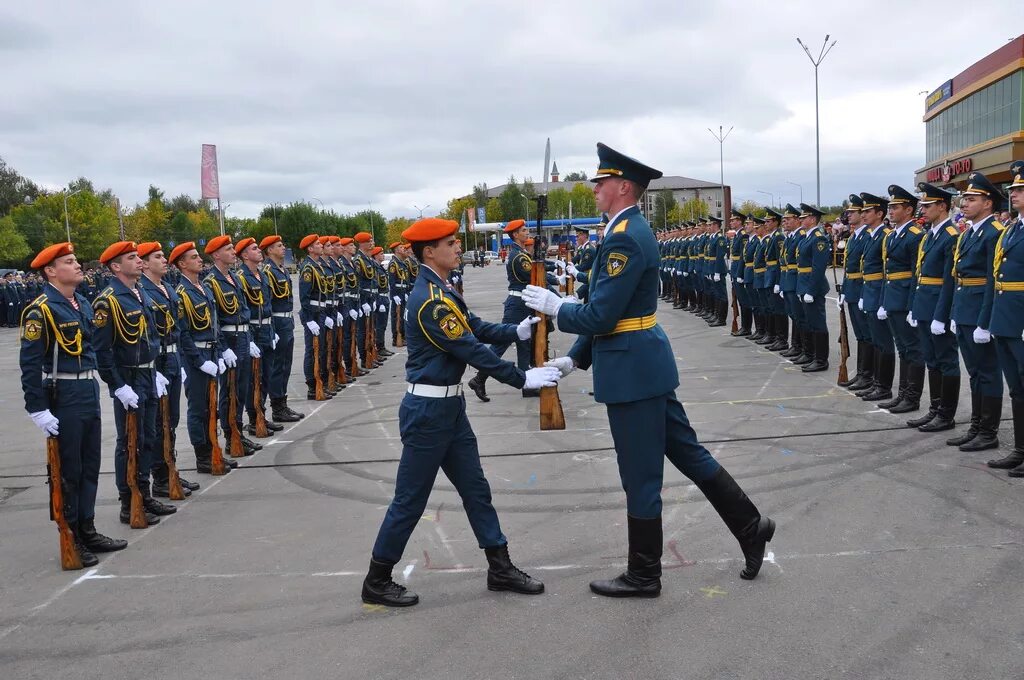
{"points": [[199, 344], [366, 274], [794, 308], [350, 300], [748, 295], [518, 267], [853, 281], [930, 303], [872, 267], [635, 376], [261, 330], [330, 282], [584, 261], [233, 330], [737, 262], [814, 254], [776, 305], [383, 300], [760, 265], [719, 250], [312, 304], [398, 287], [1007, 320], [282, 304], [973, 267]]}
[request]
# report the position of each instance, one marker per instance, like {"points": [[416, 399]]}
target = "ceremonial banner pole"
{"points": [[209, 180]]}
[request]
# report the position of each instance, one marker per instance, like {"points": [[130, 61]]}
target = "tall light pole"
{"points": [[273, 211], [798, 186], [421, 209], [721, 165], [825, 49], [769, 194], [526, 202], [67, 222]]}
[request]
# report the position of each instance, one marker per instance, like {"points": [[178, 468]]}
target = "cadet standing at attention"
{"points": [[282, 303]]}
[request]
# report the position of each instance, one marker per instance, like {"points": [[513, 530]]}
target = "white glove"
{"points": [[525, 327], [230, 358], [560, 263], [882, 314], [406, 298], [952, 326], [739, 279], [542, 376], [366, 308], [910, 320], [718, 277], [127, 396], [782, 295], [982, 336], [542, 300], [860, 304], [339, 319], [161, 382], [209, 368], [686, 273], [382, 308], [329, 321], [398, 300], [842, 301], [808, 298], [564, 365], [277, 339], [313, 327], [222, 368], [184, 376], [354, 314], [938, 328], [254, 351], [571, 269], [777, 289], [46, 421], [560, 278]]}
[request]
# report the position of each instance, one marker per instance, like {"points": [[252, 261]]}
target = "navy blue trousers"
{"points": [[278, 363], [981, 362], [239, 344], [197, 396], [795, 309], [1011, 360], [141, 380], [938, 351], [881, 334], [436, 435], [170, 366], [906, 337], [78, 410], [307, 357], [263, 336], [814, 314], [646, 432]]}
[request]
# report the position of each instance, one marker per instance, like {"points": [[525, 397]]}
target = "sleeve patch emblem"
{"points": [[100, 318], [821, 246], [452, 327], [33, 330], [307, 276], [616, 264]]}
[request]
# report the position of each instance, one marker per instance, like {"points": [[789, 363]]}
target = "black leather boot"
{"points": [[860, 368], [820, 362], [1014, 462], [162, 487], [988, 426], [769, 334], [296, 414], [379, 588], [250, 444], [795, 343], [934, 398], [152, 505], [904, 381], [882, 388], [742, 517], [718, 314], [95, 541], [280, 413], [125, 515], [915, 387], [972, 429], [503, 575], [758, 327], [642, 577], [807, 347], [781, 334], [85, 556], [477, 384], [949, 398], [867, 375]]}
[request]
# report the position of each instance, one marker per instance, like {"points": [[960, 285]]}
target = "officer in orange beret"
{"points": [[368, 293], [127, 344], [281, 305], [261, 330], [350, 309], [381, 302], [399, 285], [313, 291], [58, 378]]}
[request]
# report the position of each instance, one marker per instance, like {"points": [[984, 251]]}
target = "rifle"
{"points": [[340, 355], [69, 557], [844, 340], [257, 399], [174, 490], [316, 369], [137, 517], [370, 345], [562, 254], [234, 437], [551, 415], [217, 466], [735, 311], [353, 349], [331, 380], [399, 329]]}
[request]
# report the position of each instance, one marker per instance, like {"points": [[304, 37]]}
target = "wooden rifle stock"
{"points": [[339, 356], [217, 466], [257, 399], [844, 339], [317, 380], [137, 515], [234, 436], [174, 490], [399, 328], [370, 344], [69, 557], [331, 379], [353, 349], [735, 311], [551, 415]]}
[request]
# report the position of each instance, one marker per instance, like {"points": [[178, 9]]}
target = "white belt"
{"points": [[259, 322], [282, 315], [233, 328], [84, 375], [169, 349], [317, 303], [516, 293], [354, 296], [206, 344], [140, 366], [434, 391]]}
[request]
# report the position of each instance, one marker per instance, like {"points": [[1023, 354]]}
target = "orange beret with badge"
{"points": [[307, 241], [513, 225], [243, 244], [148, 248], [216, 243], [430, 229], [346, 241], [269, 241], [363, 237], [51, 253], [117, 250], [376, 250], [180, 250]]}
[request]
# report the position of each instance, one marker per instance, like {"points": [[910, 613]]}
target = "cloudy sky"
{"points": [[410, 103]]}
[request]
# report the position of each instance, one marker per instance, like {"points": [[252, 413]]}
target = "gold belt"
{"points": [[969, 281], [853, 276], [760, 270], [873, 277], [791, 267], [898, 276], [804, 270], [637, 323], [930, 281], [771, 263], [1012, 286]]}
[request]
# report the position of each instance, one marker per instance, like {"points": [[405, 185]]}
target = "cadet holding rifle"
{"points": [[257, 295], [281, 305], [58, 378]]}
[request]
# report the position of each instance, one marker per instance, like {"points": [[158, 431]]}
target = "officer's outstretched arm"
{"points": [[491, 333], [616, 276], [449, 330]]}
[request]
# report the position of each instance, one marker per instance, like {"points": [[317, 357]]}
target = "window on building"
{"points": [[988, 113]]}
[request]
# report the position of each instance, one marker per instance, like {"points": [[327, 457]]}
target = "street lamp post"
{"points": [[721, 166], [67, 221], [825, 49], [526, 202], [273, 211], [800, 187], [421, 209], [769, 194]]}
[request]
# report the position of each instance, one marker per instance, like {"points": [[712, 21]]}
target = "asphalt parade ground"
{"points": [[895, 555]]}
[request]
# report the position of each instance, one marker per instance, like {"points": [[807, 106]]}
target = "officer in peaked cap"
{"points": [[849, 293], [873, 211], [788, 267], [775, 306], [814, 255], [737, 249]]}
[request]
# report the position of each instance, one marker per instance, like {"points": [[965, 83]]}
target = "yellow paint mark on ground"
{"points": [[710, 593], [374, 608]]}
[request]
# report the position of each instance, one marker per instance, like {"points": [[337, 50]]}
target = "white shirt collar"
{"points": [[977, 225], [903, 226], [615, 217], [940, 225], [858, 230]]}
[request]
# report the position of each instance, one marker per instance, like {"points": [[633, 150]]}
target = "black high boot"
{"points": [[781, 334], [820, 362], [742, 517], [85, 556], [972, 429], [988, 426], [865, 377], [476, 383], [503, 575], [904, 382], [719, 313], [915, 387], [642, 577], [95, 541], [934, 398], [886, 369], [125, 515], [860, 368], [949, 398], [152, 505], [758, 327], [807, 347], [795, 343], [280, 413], [1014, 462], [745, 321], [379, 588], [769, 334]]}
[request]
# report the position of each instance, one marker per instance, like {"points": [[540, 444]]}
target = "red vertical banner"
{"points": [[209, 179]]}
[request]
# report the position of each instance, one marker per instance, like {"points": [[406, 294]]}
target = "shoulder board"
{"points": [[886, 231], [998, 225], [39, 300], [620, 227], [106, 292], [915, 230], [951, 230]]}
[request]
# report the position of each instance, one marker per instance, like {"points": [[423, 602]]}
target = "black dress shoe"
{"points": [[162, 489], [185, 484], [878, 394], [125, 516], [938, 424], [85, 556], [274, 427], [815, 366], [1010, 462], [155, 507], [477, 384], [95, 541], [250, 443]]}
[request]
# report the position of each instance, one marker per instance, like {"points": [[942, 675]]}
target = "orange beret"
{"points": [[308, 241], [394, 245], [376, 250], [324, 240], [216, 243], [180, 250], [269, 241], [51, 253], [146, 249], [363, 237], [430, 229], [335, 239], [117, 249], [529, 242], [243, 244], [513, 225], [346, 241]]}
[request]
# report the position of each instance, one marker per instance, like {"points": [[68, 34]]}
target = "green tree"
{"points": [[558, 203], [688, 211], [583, 203], [749, 207], [15, 190], [512, 203], [492, 212], [480, 194], [14, 250], [457, 207], [395, 227], [664, 202], [577, 176]]}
